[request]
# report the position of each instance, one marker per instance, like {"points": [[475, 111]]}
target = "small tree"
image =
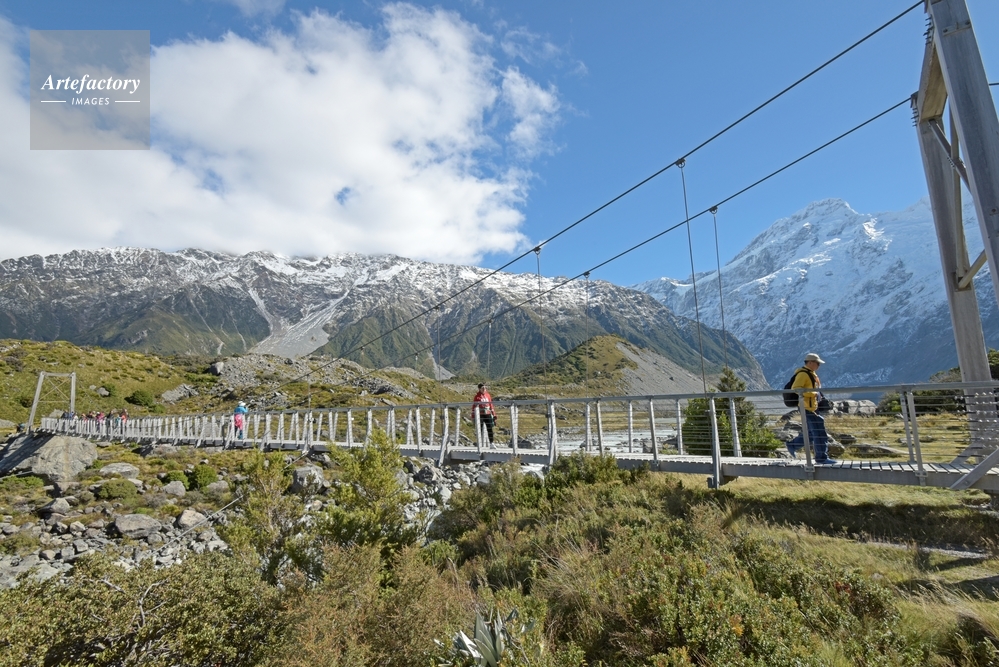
{"points": [[754, 435]]}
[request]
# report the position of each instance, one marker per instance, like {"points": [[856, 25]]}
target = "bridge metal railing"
{"points": [[917, 423]]}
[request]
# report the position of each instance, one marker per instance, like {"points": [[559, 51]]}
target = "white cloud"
{"points": [[535, 108], [332, 138]]}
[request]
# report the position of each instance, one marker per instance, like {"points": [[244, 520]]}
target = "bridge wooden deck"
{"points": [[939, 475]]}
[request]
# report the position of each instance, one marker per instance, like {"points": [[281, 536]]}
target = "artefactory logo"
{"points": [[89, 89]]}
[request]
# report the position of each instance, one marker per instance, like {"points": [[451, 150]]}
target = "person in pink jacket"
{"points": [[487, 415]]}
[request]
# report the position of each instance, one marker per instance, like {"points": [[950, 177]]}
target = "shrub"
{"points": [[368, 499], [25, 400], [18, 544], [755, 436], [20, 484], [202, 476], [178, 476], [107, 615], [141, 397], [117, 489]]}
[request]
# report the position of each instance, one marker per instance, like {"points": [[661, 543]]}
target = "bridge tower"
{"points": [[953, 72], [57, 392]]}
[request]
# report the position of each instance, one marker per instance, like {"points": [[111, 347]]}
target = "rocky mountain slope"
{"points": [[864, 291], [209, 303]]}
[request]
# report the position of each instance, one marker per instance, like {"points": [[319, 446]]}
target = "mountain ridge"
{"points": [[195, 301], [863, 290]]}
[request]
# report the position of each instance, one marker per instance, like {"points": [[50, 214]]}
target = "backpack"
{"points": [[791, 397]]}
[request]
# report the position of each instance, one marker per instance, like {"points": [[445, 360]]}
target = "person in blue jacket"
{"points": [[239, 420]]}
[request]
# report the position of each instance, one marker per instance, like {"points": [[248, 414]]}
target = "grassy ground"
{"points": [[937, 549]]}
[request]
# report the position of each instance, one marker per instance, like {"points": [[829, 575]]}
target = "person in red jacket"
{"points": [[487, 415]]}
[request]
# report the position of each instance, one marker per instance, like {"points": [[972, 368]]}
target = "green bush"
{"points": [[141, 397], [19, 544], [202, 476], [178, 476], [755, 436], [20, 484], [106, 615], [117, 489]]}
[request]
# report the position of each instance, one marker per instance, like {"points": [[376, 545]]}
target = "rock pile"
{"points": [[65, 530]]}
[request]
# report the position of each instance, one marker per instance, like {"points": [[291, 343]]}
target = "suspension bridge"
{"points": [[656, 431]]}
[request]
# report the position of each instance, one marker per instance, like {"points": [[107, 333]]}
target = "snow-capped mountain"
{"points": [[864, 291], [200, 302]]}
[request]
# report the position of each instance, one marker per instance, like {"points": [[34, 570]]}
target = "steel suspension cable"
{"points": [[586, 335], [654, 237], [721, 295], [693, 276], [541, 313], [632, 188]]}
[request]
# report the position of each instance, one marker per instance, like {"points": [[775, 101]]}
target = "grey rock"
{"points": [[217, 545], [63, 488], [484, 478], [43, 572], [217, 488], [101, 391], [47, 554], [175, 488], [80, 546], [8, 529], [57, 506], [158, 449], [306, 479], [428, 474], [136, 526], [126, 470], [217, 368], [445, 494], [179, 393], [66, 553], [28, 562], [155, 539], [77, 528], [56, 458], [189, 519]]}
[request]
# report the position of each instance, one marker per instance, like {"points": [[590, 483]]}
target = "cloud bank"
{"points": [[405, 138]]}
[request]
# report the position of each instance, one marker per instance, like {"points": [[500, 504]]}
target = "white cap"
{"points": [[811, 356]]}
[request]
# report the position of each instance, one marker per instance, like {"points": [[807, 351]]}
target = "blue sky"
{"points": [[467, 131]]}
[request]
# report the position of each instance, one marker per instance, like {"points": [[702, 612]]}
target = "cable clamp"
{"points": [[681, 163]]}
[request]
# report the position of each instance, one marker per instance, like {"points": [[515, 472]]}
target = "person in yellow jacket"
{"points": [[807, 377]]}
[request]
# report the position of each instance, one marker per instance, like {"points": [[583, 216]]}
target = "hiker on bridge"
{"points": [[487, 415], [239, 420], [807, 377]]}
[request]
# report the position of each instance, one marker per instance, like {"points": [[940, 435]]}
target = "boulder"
{"points": [[63, 488], [428, 474], [307, 479], [175, 488], [56, 458], [57, 506], [217, 488], [136, 526], [157, 449], [102, 392], [189, 519], [216, 368], [126, 470], [178, 393]]}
